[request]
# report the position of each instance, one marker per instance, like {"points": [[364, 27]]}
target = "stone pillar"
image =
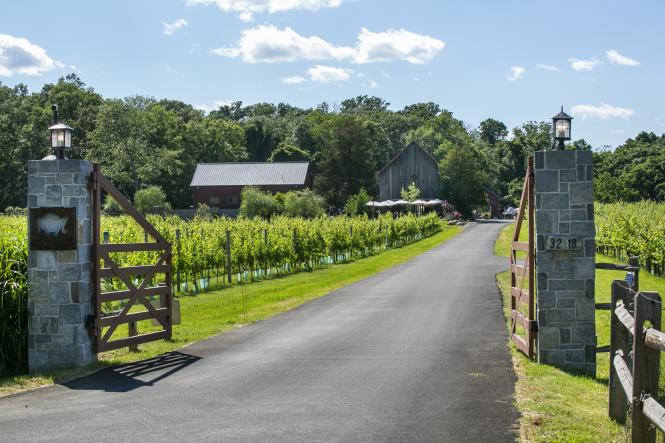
{"points": [[565, 259], [59, 281]]}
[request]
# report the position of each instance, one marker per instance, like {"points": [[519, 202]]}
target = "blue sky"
{"points": [[513, 60]]}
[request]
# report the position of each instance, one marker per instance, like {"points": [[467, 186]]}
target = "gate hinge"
{"points": [[90, 322]]}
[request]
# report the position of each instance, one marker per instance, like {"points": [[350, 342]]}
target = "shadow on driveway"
{"points": [[134, 375]]}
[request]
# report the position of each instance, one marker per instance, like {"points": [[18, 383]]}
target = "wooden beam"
{"points": [[520, 246], [123, 295], [646, 364], [136, 340], [133, 247], [624, 317], [611, 266], [654, 412], [520, 294], [125, 204], [519, 270], [654, 339], [133, 270], [133, 316], [626, 380]]}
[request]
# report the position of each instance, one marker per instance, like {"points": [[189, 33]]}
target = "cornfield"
{"points": [[13, 296]]}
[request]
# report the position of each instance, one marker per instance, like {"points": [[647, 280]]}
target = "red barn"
{"points": [[219, 184]]}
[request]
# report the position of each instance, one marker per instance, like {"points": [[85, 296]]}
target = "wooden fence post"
{"points": [[646, 362], [228, 256], [179, 262], [635, 262], [265, 265], [619, 342]]}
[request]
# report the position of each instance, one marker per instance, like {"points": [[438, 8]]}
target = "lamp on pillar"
{"points": [[561, 123], [61, 135]]}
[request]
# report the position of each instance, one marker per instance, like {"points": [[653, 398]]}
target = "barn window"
{"points": [[231, 200], [214, 201]]}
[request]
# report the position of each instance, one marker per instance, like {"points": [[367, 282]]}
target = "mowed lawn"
{"points": [[208, 314], [558, 406]]}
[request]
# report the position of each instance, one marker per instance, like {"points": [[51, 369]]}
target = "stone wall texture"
{"points": [[59, 282], [565, 279]]}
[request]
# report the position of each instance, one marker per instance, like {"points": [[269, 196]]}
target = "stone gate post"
{"points": [[565, 259], [59, 264]]}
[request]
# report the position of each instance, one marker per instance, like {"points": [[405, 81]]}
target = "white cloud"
{"points": [[269, 44], [396, 45], [616, 58], [244, 7], [246, 17], [328, 74], [516, 73], [603, 112], [372, 84], [170, 28], [216, 104], [19, 56], [548, 67], [384, 74], [583, 65], [295, 80], [320, 74]]}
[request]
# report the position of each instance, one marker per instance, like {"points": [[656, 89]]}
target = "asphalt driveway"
{"points": [[416, 353]]}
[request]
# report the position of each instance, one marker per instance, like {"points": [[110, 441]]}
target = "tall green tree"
{"points": [[462, 179], [348, 164]]}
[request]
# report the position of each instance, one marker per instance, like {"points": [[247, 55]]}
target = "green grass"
{"points": [[558, 406], [211, 313], [555, 405]]}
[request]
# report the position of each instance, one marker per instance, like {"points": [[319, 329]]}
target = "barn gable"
{"points": [[411, 164]]}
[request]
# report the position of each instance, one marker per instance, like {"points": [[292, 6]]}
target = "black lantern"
{"points": [[61, 135], [561, 124]]}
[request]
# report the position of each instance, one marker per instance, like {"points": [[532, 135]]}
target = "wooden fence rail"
{"points": [[634, 370]]}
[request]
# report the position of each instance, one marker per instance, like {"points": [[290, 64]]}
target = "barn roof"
{"points": [[399, 154], [250, 174]]}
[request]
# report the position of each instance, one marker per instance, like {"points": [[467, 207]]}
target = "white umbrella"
{"points": [[386, 204], [401, 202], [419, 202], [372, 204], [435, 202]]}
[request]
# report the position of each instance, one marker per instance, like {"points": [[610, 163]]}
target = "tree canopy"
{"points": [[142, 142]]}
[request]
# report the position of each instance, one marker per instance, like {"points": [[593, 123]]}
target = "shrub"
{"points": [[355, 205], [204, 212], [11, 210], [256, 203], [411, 193], [305, 204], [148, 199], [111, 207]]}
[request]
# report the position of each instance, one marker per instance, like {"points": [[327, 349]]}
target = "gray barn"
{"points": [[412, 164]]}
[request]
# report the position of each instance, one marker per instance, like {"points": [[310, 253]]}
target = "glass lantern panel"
{"points": [[562, 129], [68, 139], [61, 138], [54, 139]]}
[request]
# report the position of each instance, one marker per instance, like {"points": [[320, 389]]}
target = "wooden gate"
{"points": [[138, 280], [523, 325]]}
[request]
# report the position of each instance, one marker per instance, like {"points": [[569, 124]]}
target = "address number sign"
{"points": [[563, 243]]}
